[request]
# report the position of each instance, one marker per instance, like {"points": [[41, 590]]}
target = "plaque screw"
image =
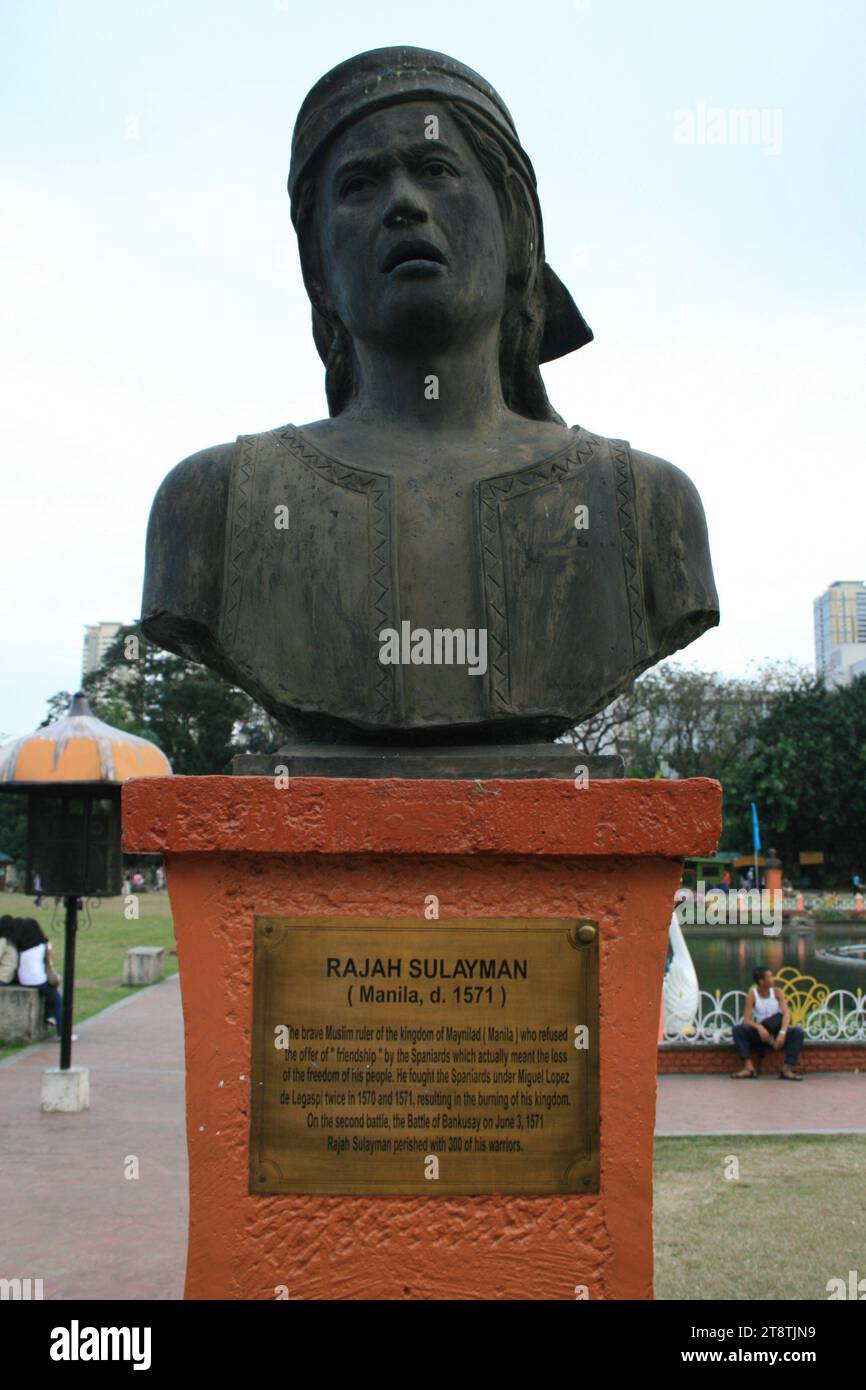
{"points": [[268, 931], [586, 932], [263, 1177]]}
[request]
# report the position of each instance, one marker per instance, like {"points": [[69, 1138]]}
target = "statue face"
{"points": [[411, 236]]}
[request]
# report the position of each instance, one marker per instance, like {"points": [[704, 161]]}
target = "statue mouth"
{"points": [[414, 251]]}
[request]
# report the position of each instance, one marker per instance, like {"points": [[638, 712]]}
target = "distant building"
{"points": [[858, 667], [840, 632], [98, 637]]}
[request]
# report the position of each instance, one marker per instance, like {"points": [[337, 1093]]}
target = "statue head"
{"points": [[403, 149]]}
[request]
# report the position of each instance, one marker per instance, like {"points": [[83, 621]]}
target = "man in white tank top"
{"points": [[767, 1024]]}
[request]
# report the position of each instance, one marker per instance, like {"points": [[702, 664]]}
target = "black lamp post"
{"points": [[73, 849], [73, 820]]}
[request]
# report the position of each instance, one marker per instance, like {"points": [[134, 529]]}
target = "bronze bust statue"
{"points": [[442, 559]]}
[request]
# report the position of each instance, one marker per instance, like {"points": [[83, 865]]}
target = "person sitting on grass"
{"points": [[767, 1024]]}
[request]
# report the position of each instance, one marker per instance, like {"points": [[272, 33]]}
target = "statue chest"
{"points": [[532, 576], [435, 552]]}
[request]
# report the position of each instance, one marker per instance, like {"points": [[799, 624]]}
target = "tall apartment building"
{"points": [[840, 631], [98, 637]]}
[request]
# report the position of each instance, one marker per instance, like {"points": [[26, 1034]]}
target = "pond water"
{"points": [[725, 958]]}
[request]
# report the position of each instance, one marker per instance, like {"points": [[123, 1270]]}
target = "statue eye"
{"points": [[356, 184], [436, 168]]}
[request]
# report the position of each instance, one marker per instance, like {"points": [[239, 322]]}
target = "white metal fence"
{"points": [[840, 1018]]}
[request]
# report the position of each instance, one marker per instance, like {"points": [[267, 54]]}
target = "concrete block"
{"points": [[143, 965], [22, 1014], [66, 1090]]}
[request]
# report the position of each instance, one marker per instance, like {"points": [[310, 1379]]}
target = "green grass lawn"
{"points": [[102, 941], [793, 1219]]}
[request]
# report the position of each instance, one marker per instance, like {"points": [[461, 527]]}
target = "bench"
{"points": [[143, 965], [22, 1014]]}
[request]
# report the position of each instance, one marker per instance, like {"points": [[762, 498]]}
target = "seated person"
{"points": [[767, 1024], [8, 951], [36, 967]]}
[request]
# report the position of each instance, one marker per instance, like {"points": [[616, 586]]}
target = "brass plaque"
{"points": [[404, 1056]]}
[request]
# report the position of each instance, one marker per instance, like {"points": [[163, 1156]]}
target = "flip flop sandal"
{"points": [[794, 1077], [744, 1075]]}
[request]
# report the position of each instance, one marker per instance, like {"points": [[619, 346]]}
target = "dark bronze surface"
{"points": [[489, 761], [443, 494], [508, 1102]]}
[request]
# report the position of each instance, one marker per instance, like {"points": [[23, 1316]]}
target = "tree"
{"points": [[199, 720], [57, 706], [13, 826], [807, 774], [779, 738], [676, 721]]}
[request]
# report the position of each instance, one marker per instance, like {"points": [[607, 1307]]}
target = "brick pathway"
{"points": [[826, 1102], [70, 1216]]}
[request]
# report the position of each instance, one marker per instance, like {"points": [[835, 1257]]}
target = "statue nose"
{"points": [[404, 210]]}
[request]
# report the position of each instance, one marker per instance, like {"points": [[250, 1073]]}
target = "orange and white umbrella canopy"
{"points": [[80, 748]]}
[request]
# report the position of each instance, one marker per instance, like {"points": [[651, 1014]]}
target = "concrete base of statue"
{"points": [[237, 848]]}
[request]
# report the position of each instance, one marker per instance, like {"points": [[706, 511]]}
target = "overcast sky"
{"points": [[154, 304]]}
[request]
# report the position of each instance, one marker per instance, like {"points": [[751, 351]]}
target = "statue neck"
{"points": [[455, 389]]}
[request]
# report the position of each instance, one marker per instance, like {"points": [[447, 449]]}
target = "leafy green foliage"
{"points": [[807, 774], [57, 706], [781, 739], [199, 720], [13, 826]]}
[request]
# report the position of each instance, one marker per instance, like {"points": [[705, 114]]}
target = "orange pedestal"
{"points": [[240, 847]]}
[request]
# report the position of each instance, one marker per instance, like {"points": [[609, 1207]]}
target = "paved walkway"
{"points": [[824, 1103], [70, 1216]]}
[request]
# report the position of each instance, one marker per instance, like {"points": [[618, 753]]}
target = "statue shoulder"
{"points": [[195, 489], [184, 559], [679, 589]]}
